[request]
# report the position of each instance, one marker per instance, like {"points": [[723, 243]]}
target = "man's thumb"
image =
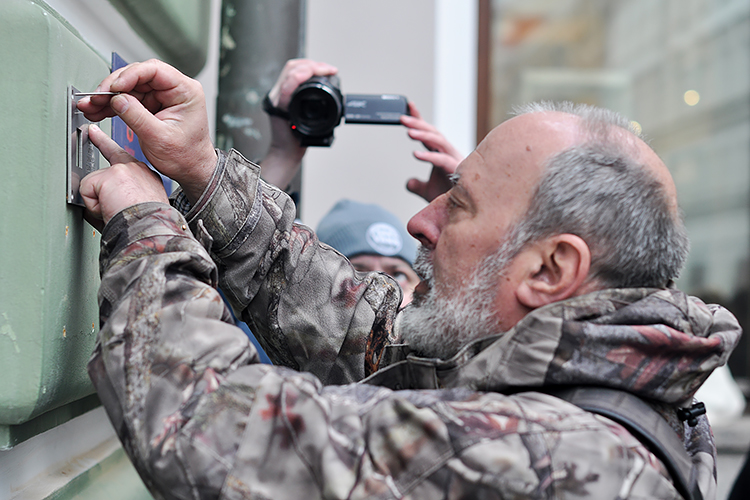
{"points": [[135, 115], [417, 187]]}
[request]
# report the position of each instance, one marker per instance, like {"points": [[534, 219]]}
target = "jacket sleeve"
{"points": [[304, 301], [198, 415]]}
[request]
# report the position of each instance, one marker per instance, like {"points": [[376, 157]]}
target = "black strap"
{"points": [[645, 423], [272, 110]]}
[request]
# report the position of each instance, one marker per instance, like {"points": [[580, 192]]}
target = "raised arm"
{"points": [[282, 162], [197, 414], [440, 153], [307, 305]]}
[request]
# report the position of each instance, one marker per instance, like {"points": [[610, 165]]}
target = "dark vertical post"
{"points": [[257, 38], [484, 69]]}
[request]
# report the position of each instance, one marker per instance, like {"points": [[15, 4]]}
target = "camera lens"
{"points": [[314, 110], [316, 107]]}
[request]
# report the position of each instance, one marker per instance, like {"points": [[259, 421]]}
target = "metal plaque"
{"points": [[83, 157]]}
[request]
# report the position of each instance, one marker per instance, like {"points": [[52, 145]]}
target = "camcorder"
{"points": [[317, 107]]}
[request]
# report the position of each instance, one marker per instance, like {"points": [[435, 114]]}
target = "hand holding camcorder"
{"points": [[317, 107]]}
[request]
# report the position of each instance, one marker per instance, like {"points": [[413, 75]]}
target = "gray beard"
{"points": [[438, 327]]}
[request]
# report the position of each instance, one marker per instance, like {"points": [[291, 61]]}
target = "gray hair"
{"points": [[599, 192]]}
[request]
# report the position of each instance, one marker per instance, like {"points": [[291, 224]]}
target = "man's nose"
{"points": [[427, 224]]}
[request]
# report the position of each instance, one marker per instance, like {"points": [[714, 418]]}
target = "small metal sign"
{"points": [[124, 135], [83, 157]]}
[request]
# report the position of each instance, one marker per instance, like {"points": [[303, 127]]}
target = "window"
{"points": [[681, 70]]}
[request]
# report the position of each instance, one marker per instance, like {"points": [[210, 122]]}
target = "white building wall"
{"points": [[423, 49]]}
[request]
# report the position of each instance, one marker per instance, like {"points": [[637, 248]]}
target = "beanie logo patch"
{"points": [[384, 238]]}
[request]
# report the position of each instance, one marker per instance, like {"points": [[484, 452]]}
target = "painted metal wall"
{"points": [[54, 441], [48, 255], [252, 56]]}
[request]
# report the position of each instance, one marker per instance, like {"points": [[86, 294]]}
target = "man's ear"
{"points": [[556, 268]]}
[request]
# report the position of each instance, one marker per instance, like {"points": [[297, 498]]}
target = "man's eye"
{"points": [[453, 204]]}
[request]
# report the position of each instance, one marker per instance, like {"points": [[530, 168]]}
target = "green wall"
{"points": [[48, 254], [176, 29], [49, 272]]}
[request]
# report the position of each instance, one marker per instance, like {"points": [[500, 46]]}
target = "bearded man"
{"points": [[549, 263]]}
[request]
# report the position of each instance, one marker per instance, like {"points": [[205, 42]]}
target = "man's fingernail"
{"points": [[93, 127], [119, 103]]}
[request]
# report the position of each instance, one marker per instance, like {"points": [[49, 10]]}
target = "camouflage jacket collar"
{"points": [[658, 344]]}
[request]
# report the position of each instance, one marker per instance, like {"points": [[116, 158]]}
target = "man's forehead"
{"points": [[522, 145], [557, 126], [503, 171]]}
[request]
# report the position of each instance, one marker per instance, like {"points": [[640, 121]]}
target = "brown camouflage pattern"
{"points": [[201, 418]]}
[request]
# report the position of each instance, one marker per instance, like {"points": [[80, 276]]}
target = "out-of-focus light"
{"points": [[636, 127], [691, 97]]}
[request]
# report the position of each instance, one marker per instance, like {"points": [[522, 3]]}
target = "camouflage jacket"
{"points": [[201, 418]]}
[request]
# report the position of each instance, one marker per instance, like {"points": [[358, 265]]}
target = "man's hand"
{"points": [[127, 182], [167, 111], [295, 72], [441, 153], [285, 154]]}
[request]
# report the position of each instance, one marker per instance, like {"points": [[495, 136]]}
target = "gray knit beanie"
{"points": [[355, 228]]}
